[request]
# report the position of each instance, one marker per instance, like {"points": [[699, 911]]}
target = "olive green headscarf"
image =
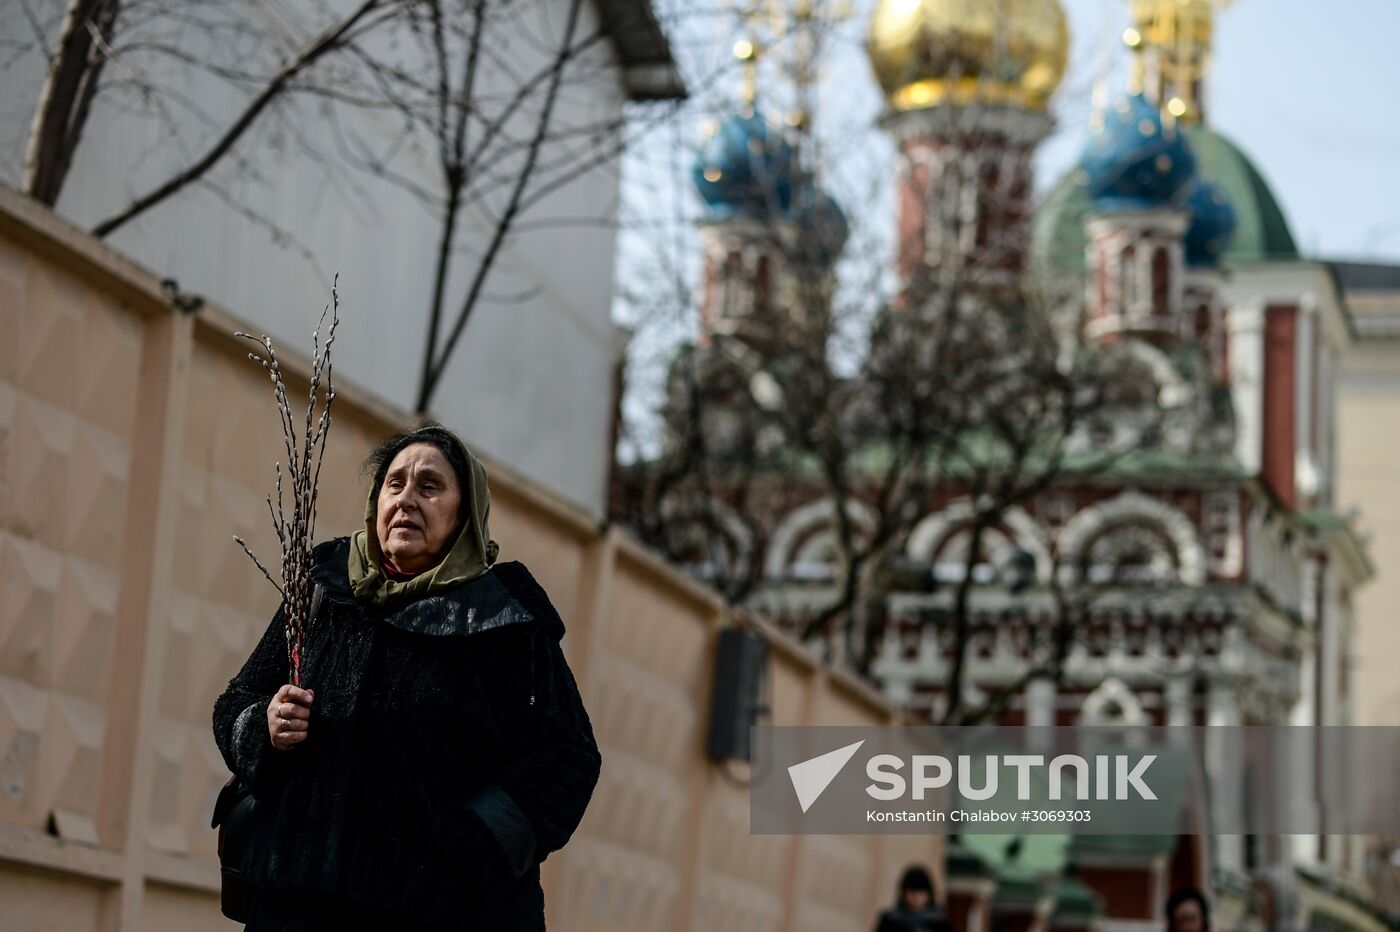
{"points": [[471, 555]]}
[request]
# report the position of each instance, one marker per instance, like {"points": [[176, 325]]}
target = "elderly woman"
{"points": [[439, 750]]}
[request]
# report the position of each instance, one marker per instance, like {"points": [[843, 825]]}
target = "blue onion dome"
{"points": [[1134, 161], [823, 224], [1212, 224], [744, 167]]}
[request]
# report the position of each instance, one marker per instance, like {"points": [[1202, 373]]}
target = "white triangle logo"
{"points": [[811, 777]]}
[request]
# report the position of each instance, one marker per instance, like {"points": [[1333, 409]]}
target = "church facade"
{"points": [[1204, 578]]}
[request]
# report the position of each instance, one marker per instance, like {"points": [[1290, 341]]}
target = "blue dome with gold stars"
{"points": [[1212, 224], [744, 167], [1135, 161]]}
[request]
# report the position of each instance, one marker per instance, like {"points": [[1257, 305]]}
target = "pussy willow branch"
{"points": [[296, 526]]}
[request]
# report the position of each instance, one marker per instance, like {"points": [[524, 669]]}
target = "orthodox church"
{"points": [[1224, 578]]}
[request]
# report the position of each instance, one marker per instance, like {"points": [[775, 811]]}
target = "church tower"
{"points": [[1138, 170], [1171, 42], [771, 235], [1157, 230], [967, 86]]}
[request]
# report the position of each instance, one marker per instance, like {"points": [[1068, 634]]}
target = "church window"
{"points": [[1130, 554], [1161, 282], [1127, 280]]}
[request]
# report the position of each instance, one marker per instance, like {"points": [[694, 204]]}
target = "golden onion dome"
{"points": [[928, 52]]}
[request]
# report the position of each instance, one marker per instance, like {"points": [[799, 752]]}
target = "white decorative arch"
{"points": [[1135, 506], [737, 533], [815, 556], [1172, 389], [782, 551], [934, 529], [1112, 703]]}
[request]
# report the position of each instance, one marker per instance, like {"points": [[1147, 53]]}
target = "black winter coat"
{"points": [[448, 753], [899, 919]]}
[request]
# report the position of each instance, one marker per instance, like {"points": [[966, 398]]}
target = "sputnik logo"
{"points": [[811, 777]]}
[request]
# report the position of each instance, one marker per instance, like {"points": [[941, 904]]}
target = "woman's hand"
{"points": [[288, 715]]}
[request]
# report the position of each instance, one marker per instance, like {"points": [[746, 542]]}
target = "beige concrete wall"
{"points": [[133, 444], [1368, 462]]}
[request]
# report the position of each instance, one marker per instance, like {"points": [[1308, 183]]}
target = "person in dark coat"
{"points": [[1186, 911], [439, 750], [914, 908]]}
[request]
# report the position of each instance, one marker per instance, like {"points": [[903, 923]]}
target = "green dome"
{"points": [[1058, 240], [1262, 232]]}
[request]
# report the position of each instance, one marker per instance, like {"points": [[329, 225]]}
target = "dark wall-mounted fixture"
{"points": [[741, 663]]}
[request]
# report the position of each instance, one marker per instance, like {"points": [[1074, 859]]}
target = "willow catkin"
{"points": [[295, 522]]}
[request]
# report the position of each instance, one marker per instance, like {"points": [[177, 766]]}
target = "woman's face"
{"points": [[416, 512], [915, 900]]}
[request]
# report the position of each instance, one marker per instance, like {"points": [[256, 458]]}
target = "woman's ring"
{"points": [[282, 725]]}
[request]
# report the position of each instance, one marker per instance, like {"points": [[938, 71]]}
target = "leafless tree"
{"points": [[501, 96], [498, 140], [135, 37], [75, 71]]}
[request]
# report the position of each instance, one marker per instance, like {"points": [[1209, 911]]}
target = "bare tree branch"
{"points": [[433, 372], [328, 41]]}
